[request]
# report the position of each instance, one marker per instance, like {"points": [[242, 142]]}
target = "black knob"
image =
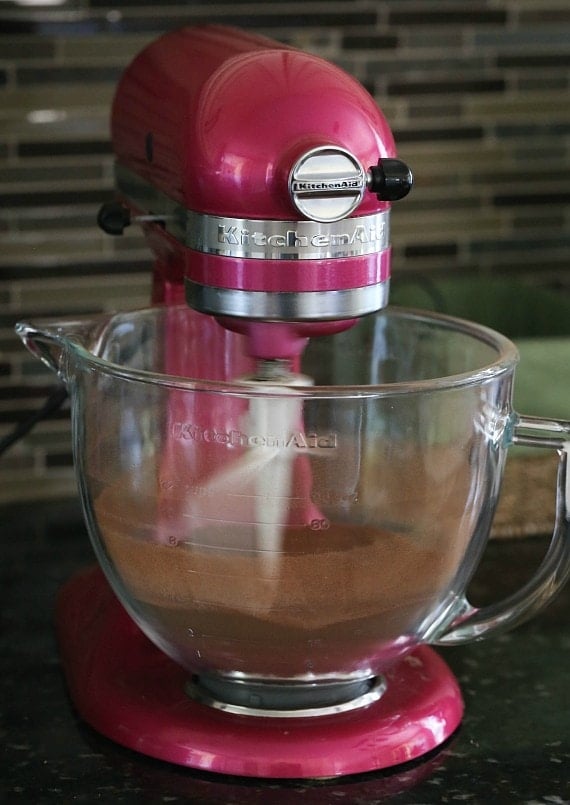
{"points": [[114, 217], [390, 179]]}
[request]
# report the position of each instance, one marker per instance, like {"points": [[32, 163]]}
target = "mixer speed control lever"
{"points": [[114, 217], [390, 179]]}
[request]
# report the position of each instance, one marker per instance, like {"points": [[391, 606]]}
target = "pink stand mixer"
{"points": [[263, 178]]}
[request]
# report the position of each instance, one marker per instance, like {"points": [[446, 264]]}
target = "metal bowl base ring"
{"points": [[280, 700]]}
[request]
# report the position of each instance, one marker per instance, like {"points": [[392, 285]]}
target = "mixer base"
{"points": [[128, 690]]}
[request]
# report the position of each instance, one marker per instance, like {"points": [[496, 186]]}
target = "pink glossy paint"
{"points": [[229, 113], [132, 693]]}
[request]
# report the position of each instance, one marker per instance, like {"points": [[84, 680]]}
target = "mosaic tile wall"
{"points": [[475, 90]]}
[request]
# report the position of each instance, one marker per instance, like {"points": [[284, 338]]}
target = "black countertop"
{"points": [[513, 745]]}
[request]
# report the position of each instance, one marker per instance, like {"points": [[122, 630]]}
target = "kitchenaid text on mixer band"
{"points": [[292, 240], [362, 233]]}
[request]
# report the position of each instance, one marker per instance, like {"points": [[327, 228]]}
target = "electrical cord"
{"points": [[51, 405]]}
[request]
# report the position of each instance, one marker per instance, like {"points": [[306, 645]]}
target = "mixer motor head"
{"points": [[263, 177]]}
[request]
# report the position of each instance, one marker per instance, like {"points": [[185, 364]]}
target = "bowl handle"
{"points": [[472, 623]]}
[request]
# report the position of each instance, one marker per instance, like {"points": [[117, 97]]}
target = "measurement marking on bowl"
{"points": [[269, 496], [224, 520], [220, 549]]}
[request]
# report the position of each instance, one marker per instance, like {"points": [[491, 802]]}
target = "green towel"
{"points": [[542, 378]]}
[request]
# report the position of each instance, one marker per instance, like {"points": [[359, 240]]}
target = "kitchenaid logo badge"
{"points": [[297, 440], [327, 185], [372, 232]]}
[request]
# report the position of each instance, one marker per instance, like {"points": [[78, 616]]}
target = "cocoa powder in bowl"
{"points": [[335, 600]]}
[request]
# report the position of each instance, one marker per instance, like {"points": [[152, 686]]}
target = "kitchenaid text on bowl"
{"points": [[189, 431]]}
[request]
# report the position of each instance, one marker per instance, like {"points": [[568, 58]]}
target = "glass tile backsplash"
{"points": [[477, 93]]}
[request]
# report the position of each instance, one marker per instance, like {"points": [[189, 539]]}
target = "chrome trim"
{"points": [[327, 183], [257, 239], [287, 306], [373, 691], [287, 240]]}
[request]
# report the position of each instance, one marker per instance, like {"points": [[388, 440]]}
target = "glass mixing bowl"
{"points": [[287, 543]]}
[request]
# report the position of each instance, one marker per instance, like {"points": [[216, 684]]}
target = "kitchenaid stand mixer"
{"points": [[263, 179]]}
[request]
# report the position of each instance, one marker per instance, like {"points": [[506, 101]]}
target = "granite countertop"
{"points": [[513, 745]]}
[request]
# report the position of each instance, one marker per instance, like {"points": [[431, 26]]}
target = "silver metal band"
{"points": [[287, 306], [258, 238], [287, 240], [282, 700]]}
